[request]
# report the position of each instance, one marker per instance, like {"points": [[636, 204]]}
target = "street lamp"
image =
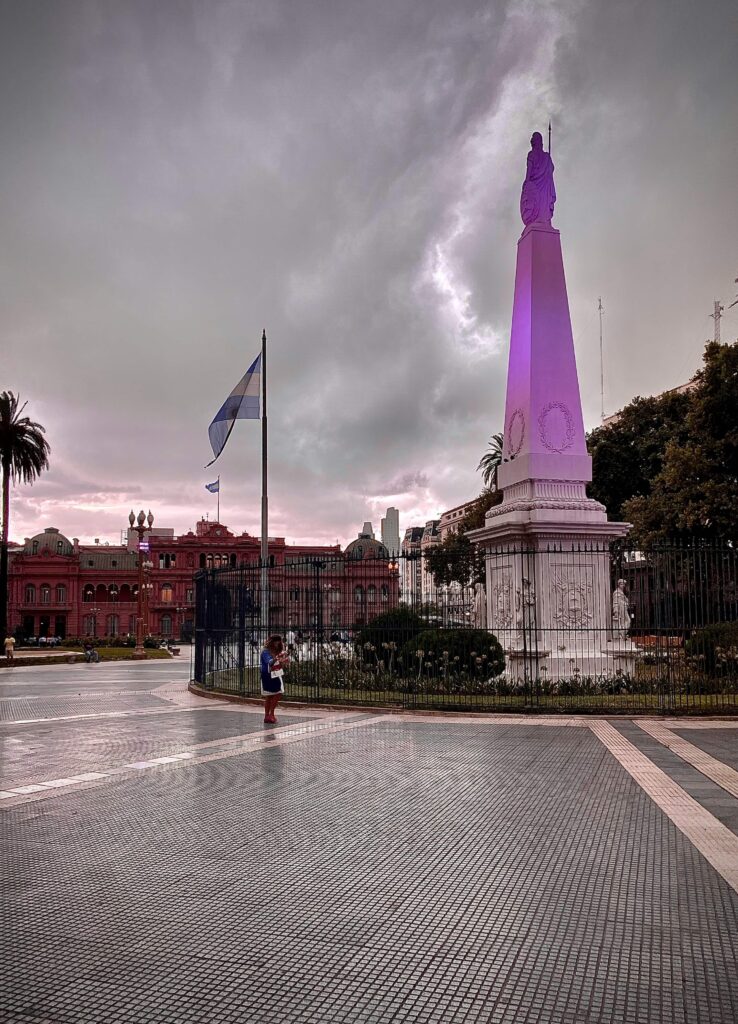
{"points": [[139, 524], [181, 610]]}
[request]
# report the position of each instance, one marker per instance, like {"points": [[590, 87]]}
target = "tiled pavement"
{"points": [[361, 868]]}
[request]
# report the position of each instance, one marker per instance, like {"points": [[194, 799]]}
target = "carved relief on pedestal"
{"points": [[556, 427], [503, 608], [515, 433], [574, 601]]}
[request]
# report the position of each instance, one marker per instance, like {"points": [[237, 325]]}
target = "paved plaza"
{"points": [[171, 859]]}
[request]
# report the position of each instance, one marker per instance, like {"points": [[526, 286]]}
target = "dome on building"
{"points": [[50, 540], [365, 546]]}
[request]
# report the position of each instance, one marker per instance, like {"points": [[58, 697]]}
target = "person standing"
{"points": [[273, 662], [9, 647]]}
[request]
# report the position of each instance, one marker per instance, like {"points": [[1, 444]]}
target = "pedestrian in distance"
{"points": [[274, 660], [91, 655], [9, 647]]}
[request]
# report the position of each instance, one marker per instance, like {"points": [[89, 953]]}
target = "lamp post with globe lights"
{"points": [[141, 524]]}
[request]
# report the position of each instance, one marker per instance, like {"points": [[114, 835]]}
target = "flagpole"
{"points": [[264, 498], [219, 497]]}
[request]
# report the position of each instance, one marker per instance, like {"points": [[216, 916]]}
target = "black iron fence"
{"points": [[597, 628]]}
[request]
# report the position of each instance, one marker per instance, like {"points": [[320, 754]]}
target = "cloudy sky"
{"points": [[178, 174]]}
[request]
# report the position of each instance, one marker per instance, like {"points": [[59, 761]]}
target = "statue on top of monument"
{"points": [[539, 195]]}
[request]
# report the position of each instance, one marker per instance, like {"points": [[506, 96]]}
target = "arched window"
{"points": [[334, 595], [131, 623], [101, 594], [166, 625], [371, 594], [61, 594], [88, 594], [358, 595], [233, 561], [113, 592], [385, 593], [202, 561], [88, 625], [209, 561], [112, 625], [30, 593], [167, 593], [216, 561], [45, 593], [134, 592], [125, 593], [295, 594]]}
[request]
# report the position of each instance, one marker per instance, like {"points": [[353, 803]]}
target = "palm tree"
{"points": [[24, 454], [490, 461]]}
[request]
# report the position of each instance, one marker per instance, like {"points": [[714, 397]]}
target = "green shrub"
{"points": [[455, 654], [714, 649], [387, 633]]}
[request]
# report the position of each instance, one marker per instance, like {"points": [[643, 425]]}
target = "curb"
{"points": [[387, 709]]}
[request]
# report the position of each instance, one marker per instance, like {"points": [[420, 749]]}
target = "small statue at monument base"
{"points": [[480, 606], [621, 617]]}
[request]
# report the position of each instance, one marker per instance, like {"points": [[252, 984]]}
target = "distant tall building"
{"points": [[412, 566], [390, 531], [368, 530]]}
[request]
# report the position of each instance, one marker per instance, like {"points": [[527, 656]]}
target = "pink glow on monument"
{"points": [[544, 429]]}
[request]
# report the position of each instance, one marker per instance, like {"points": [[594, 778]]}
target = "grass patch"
{"points": [[120, 653]]}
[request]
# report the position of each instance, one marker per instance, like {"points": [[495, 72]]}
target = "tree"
{"points": [[456, 559], [695, 493], [24, 454], [628, 455], [490, 461]]}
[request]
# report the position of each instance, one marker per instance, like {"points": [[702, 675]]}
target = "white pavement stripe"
{"points": [[216, 706], [721, 773], [717, 844], [242, 744]]}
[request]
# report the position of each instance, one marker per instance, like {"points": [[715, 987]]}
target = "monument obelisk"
{"points": [[547, 543]]}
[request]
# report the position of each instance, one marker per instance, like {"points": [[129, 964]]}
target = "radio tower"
{"points": [[716, 315], [602, 364]]}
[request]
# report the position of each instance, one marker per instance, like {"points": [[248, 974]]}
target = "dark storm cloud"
{"points": [[178, 175]]}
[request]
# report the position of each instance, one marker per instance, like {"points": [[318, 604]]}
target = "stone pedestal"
{"points": [[547, 544]]}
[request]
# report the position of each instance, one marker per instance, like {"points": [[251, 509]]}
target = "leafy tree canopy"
{"points": [[695, 492], [628, 455]]}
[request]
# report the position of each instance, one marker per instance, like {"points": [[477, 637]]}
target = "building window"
{"points": [[112, 625], [113, 592], [385, 593], [45, 593], [88, 594], [30, 593], [61, 594], [59, 547], [131, 623], [167, 593], [334, 595], [371, 594], [34, 548], [209, 561], [166, 625], [202, 561], [233, 561], [295, 594], [358, 595], [189, 595]]}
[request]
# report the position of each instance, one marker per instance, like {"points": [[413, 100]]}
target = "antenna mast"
{"points": [[716, 315], [602, 363]]}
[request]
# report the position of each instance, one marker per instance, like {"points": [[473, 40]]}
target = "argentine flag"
{"points": [[241, 404], [214, 487]]}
